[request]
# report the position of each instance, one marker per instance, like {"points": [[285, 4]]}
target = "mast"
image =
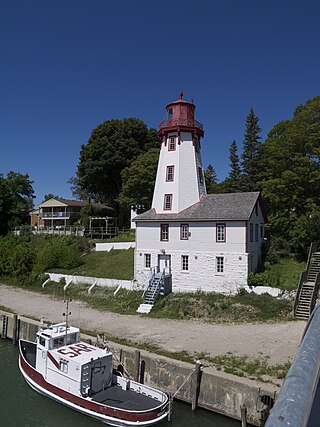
{"points": [[67, 314]]}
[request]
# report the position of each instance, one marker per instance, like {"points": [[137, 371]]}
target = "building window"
{"points": [[256, 209], [164, 232], [167, 205], [172, 143], [251, 232], [184, 231], [147, 260], [256, 232], [184, 262], [200, 174], [221, 233], [220, 264], [261, 231], [170, 114], [170, 173]]}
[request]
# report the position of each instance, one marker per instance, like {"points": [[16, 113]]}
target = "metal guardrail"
{"points": [[181, 122], [294, 403], [304, 275]]}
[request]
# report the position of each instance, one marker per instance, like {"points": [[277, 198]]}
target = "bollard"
{"points": [[243, 410], [196, 385], [142, 370], [14, 330], [136, 365]]}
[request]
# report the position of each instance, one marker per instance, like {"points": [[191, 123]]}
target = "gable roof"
{"points": [[66, 202], [224, 206]]}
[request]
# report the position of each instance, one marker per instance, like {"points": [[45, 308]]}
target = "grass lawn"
{"points": [[285, 274], [116, 264]]}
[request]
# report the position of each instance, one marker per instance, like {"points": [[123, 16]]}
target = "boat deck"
{"points": [[130, 400], [113, 396]]}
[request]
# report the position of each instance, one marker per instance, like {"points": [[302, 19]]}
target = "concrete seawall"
{"points": [[216, 391]]}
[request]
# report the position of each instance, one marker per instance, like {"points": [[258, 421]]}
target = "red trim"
{"points": [[184, 238], [161, 226], [53, 360], [224, 232], [84, 403], [170, 180], [165, 202]]}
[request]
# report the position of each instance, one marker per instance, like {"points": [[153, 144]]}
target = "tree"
{"points": [[138, 181], [211, 180], [251, 152], [49, 196], [232, 183], [16, 200], [112, 147], [290, 176]]}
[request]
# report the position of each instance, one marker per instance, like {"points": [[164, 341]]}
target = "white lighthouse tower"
{"points": [[180, 180]]}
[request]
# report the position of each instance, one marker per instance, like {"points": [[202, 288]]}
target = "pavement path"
{"points": [[276, 341]]}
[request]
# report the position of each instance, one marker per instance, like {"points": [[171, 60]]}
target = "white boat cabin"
{"points": [[70, 364]]}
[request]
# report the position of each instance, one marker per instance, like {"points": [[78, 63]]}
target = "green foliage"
{"points": [[112, 147], [16, 195], [251, 151], [90, 210], [211, 179], [138, 181], [60, 252]]}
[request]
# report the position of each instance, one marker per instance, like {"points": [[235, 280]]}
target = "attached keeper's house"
{"points": [[202, 242]]}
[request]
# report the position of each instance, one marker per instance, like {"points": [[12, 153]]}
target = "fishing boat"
{"points": [[81, 376]]}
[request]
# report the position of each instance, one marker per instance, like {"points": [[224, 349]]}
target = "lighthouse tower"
{"points": [[180, 180]]}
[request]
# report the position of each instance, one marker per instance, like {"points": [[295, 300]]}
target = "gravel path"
{"points": [[277, 341]]}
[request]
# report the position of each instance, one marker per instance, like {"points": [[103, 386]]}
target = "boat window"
{"points": [[58, 342], [63, 366], [42, 341], [71, 338]]}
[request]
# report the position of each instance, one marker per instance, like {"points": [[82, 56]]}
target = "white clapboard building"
{"points": [[202, 241]]}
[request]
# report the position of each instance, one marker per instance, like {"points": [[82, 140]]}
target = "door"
{"points": [[164, 263]]}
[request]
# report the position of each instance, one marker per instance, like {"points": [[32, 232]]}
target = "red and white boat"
{"points": [[81, 376]]}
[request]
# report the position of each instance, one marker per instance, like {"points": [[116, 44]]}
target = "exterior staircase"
{"points": [[159, 284], [308, 285]]}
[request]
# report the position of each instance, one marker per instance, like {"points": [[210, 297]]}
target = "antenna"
{"points": [[67, 313]]}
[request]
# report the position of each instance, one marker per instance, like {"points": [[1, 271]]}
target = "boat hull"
{"points": [[106, 414]]}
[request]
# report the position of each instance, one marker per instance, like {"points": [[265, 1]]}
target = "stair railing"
{"points": [[315, 292], [303, 277], [153, 273]]}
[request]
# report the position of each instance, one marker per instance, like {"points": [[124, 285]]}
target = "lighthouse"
{"points": [[180, 179], [190, 240]]}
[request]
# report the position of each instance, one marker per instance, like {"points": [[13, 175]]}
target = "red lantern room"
{"points": [[180, 117]]}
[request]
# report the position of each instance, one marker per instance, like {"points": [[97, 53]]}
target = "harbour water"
{"points": [[20, 406]]}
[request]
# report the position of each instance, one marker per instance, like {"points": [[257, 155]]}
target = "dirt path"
{"points": [[278, 341]]}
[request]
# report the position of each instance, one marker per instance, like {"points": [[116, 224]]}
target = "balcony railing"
{"points": [[60, 215], [181, 122]]}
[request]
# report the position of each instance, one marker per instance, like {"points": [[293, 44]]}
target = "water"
{"points": [[20, 406]]}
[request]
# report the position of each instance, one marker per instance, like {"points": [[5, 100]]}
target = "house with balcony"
{"points": [[59, 214]]}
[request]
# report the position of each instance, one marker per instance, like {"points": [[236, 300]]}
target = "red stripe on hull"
{"points": [[99, 409]]}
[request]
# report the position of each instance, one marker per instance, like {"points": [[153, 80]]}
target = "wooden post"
{"points": [[142, 371], [14, 330], [243, 410], [196, 385], [136, 365]]}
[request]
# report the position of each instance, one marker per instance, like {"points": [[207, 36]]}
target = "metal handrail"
{"points": [[294, 403], [181, 122], [303, 276]]}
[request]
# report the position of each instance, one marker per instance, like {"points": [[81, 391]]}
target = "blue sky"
{"points": [[66, 66]]}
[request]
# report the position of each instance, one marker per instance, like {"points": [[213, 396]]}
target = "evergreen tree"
{"points": [[251, 152], [211, 179]]}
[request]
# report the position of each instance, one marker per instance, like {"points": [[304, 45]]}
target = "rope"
{"points": [[188, 377]]}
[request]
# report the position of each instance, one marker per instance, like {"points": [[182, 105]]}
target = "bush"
{"points": [[258, 279]]}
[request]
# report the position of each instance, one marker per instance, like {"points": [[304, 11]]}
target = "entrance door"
{"points": [[164, 262]]}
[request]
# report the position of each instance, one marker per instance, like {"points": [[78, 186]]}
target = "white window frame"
{"points": [[147, 261], [184, 262], [220, 267], [172, 143], [221, 232]]}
